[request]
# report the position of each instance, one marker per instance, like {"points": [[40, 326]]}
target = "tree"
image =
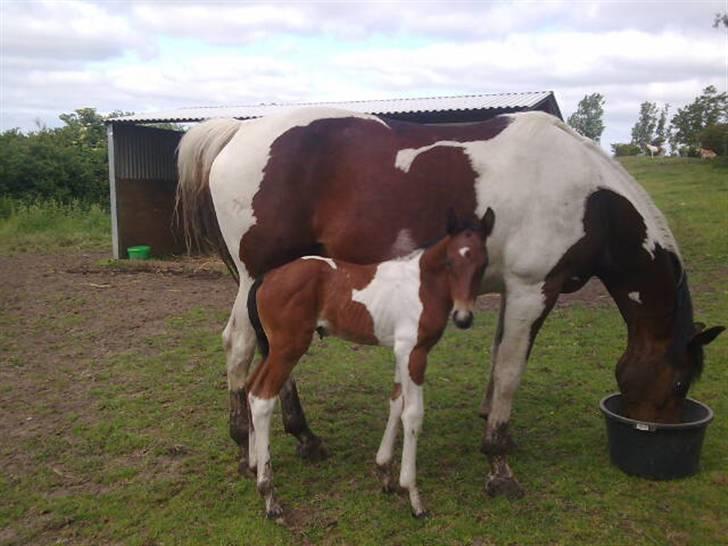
{"points": [[662, 132], [651, 127], [709, 108], [721, 19], [65, 164], [85, 127], [643, 131], [587, 120]]}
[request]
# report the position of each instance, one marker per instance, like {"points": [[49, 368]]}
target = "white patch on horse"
{"points": [[237, 171], [403, 244], [464, 251], [392, 298], [406, 156], [634, 296], [522, 169], [329, 261]]}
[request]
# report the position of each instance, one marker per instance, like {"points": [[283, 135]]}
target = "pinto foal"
{"points": [[403, 303]]}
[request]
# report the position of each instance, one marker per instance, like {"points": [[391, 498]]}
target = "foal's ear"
{"points": [[453, 225], [703, 337], [487, 222]]}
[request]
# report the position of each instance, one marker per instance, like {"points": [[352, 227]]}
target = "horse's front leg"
{"points": [[412, 374], [310, 446], [487, 401], [525, 309]]}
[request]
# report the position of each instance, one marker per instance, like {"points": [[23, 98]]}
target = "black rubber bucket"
{"points": [[655, 450]]}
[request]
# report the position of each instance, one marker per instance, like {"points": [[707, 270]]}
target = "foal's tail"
{"points": [[254, 317], [193, 207]]}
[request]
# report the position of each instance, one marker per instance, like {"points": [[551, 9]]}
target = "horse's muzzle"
{"points": [[462, 319]]}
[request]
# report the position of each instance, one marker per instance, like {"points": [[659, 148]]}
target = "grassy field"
{"points": [[155, 465], [51, 226]]}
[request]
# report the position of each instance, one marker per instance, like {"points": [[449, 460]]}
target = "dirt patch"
{"points": [[62, 315], [592, 294]]}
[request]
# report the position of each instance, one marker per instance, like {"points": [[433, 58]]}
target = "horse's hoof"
{"points": [[313, 451], [505, 486]]}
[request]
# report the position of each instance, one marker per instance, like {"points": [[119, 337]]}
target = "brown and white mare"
{"points": [[363, 189], [402, 303]]}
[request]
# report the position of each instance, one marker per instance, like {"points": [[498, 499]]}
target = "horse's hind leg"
{"points": [[386, 447], [239, 343], [310, 446], [525, 309]]}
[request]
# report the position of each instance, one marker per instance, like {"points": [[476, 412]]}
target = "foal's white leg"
{"points": [[525, 308], [261, 412], [412, 415], [239, 343], [386, 447]]}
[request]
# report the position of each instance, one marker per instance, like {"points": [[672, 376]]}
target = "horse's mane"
{"points": [[683, 328]]}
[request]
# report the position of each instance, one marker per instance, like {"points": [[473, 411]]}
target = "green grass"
{"points": [[50, 226], [155, 464]]}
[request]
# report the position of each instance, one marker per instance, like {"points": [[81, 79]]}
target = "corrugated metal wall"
{"points": [[145, 153]]}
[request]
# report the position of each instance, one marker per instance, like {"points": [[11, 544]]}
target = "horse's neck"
{"points": [[649, 306], [433, 271]]}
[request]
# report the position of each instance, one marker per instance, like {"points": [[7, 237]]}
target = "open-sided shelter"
{"points": [[142, 158]]}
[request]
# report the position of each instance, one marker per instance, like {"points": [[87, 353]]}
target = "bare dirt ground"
{"points": [[60, 315], [47, 300]]}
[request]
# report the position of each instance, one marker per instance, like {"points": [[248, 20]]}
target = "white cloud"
{"points": [[56, 56]]}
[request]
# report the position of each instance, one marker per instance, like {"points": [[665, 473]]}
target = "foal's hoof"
{"points": [[423, 514], [274, 512], [505, 486], [313, 450]]}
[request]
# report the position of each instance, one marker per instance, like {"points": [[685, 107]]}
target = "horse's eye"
{"points": [[680, 388], [448, 264]]}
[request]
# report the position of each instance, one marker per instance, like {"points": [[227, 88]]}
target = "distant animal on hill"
{"points": [[654, 150], [706, 153]]}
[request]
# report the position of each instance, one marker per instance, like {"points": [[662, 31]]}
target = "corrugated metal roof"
{"points": [[515, 101]]}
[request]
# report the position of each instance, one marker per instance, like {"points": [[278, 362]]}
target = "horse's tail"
{"points": [[194, 209], [254, 317]]}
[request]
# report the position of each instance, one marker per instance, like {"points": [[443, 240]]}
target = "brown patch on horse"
{"points": [[289, 311], [317, 195]]}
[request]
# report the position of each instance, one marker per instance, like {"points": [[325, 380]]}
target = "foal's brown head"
{"points": [[466, 260]]}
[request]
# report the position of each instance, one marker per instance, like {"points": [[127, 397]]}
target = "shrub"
{"points": [[715, 137], [621, 150]]}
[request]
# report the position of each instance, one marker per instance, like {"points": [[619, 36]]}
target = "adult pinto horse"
{"points": [[362, 189]]}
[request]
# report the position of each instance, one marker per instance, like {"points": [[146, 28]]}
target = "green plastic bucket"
{"points": [[139, 252]]}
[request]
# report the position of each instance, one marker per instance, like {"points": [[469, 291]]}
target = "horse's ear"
{"points": [[453, 225], [704, 337], [487, 222]]}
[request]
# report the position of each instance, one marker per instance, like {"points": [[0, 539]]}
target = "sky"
{"points": [[57, 56]]}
